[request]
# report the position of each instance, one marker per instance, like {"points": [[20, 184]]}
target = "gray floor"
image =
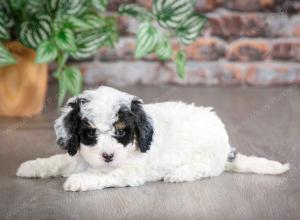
{"points": [[260, 121]]}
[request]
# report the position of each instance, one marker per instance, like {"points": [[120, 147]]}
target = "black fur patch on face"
{"points": [[137, 125], [78, 129], [143, 127], [71, 124], [124, 134], [88, 135]]}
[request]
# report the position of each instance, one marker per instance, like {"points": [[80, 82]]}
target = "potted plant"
{"points": [[36, 32]]}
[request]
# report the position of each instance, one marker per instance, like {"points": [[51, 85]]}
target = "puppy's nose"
{"points": [[107, 157]]}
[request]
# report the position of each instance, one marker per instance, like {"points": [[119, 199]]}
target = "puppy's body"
{"points": [[189, 142], [113, 140]]}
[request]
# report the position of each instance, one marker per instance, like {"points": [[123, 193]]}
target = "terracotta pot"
{"points": [[23, 85]]}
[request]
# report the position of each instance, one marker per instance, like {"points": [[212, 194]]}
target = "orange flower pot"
{"points": [[23, 85]]}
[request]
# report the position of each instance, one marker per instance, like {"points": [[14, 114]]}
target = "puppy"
{"points": [[112, 139]]}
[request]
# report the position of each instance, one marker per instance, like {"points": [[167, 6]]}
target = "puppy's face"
{"points": [[106, 127], [108, 148]]}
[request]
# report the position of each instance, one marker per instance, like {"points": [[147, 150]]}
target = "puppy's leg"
{"points": [[92, 181], [189, 172], [57, 165]]}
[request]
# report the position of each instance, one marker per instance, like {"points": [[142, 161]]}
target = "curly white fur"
{"points": [[189, 143]]}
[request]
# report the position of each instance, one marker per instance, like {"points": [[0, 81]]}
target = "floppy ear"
{"points": [[67, 125], [143, 125]]}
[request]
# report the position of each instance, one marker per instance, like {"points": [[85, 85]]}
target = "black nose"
{"points": [[107, 157]]}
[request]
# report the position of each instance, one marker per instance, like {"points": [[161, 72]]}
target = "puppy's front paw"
{"points": [[31, 169], [82, 182]]}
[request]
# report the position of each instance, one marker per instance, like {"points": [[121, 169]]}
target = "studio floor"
{"points": [[260, 121]]}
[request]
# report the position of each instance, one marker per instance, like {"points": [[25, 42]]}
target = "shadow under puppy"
{"points": [[112, 139]]}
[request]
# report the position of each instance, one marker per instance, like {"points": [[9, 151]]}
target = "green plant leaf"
{"points": [[180, 62], [5, 20], [5, 15], [5, 57], [89, 42], [4, 34], [35, 3], [93, 21], [35, 6], [84, 23], [5, 6], [112, 30], [53, 7], [75, 23], [16, 4], [147, 38], [170, 13], [35, 31], [164, 49], [110, 40], [135, 11], [62, 89], [89, 45], [73, 7], [46, 52], [65, 40], [100, 5], [58, 8], [190, 28], [72, 78]]}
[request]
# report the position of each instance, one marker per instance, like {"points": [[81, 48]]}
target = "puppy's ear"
{"points": [[143, 125], [67, 126]]}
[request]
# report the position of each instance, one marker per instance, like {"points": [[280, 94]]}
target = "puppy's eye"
{"points": [[120, 133], [91, 133]]}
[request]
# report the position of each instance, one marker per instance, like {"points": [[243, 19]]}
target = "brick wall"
{"points": [[246, 42]]}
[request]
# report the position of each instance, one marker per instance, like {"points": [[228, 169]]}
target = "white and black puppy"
{"points": [[112, 139]]}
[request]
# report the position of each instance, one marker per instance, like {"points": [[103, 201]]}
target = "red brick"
{"points": [[121, 73], [236, 70], [148, 73], [249, 5], [233, 25], [113, 5], [277, 25], [201, 49], [207, 5], [124, 50], [145, 3], [278, 6], [125, 73], [127, 25], [287, 6], [207, 73], [286, 50], [248, 50], [296, 25], [266, 74], [201, 5], [205, 49], [204, 73]]}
